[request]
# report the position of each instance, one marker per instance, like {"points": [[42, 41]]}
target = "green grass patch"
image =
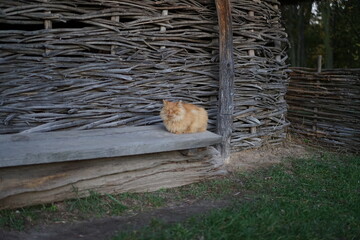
{"points": [[97, 205], [16, 219], [313, 198], [211, 189]]}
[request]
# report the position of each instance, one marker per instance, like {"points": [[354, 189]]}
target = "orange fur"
{"points": [[179, 117]]}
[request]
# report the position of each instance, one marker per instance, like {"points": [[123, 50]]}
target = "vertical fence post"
{"points": [[277, 43], [251, 53], [112, 48], [163, 28], [47, 25], [226, 76], [319, 63], [315, 122]]}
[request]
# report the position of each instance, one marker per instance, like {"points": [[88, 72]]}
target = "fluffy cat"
{"points": [[179, 117]]}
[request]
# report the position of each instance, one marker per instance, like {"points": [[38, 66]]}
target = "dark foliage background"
{"points": [[330, 28]]}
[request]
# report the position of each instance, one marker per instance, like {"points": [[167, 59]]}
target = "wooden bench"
{"points": [[51, 147], [47, 167]]}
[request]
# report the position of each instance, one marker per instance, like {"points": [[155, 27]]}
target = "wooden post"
{"points": [[112, 48], [319, 63], [277, 43], [47, 25], [162, 28], [226, 77], [315, 122], [251, 53]]}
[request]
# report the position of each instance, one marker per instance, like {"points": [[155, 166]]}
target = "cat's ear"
{"points": [[180, 103], [165, 102]]}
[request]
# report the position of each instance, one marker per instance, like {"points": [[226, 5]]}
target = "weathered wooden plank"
{"points": [[53, 182], [226, 76], [39, 148]]}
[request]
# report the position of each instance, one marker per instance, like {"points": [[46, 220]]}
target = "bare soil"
{"points": [[105, 228], [266, 156]]}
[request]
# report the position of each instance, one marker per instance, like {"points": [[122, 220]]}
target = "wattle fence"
{"points": [[101, 64], [326, 106]]}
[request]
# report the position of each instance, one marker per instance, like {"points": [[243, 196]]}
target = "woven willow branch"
{"points": [[326, 106], [76, 65]]}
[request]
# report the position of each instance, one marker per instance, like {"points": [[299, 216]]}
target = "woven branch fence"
{"points": [[326, 106], [101, 64]]}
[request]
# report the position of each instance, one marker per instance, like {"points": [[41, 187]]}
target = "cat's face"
{"points": [[173, 110]]}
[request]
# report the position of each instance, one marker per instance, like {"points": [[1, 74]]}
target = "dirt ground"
{"points": [[266, 156], [104, 228]]}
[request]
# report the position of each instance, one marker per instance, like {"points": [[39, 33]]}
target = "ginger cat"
{"points": [[179, 117]]}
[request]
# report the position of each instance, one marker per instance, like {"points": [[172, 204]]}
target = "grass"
{"points": [[16, 219], [313, 198], [212, 189], [96, 205]]}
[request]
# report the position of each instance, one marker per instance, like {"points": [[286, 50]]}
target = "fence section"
{"points": [[99, 64], [261, 74], [326, 106]]}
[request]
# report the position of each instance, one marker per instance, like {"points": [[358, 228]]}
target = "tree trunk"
{"points": [[301, 40], [326, 21]]}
